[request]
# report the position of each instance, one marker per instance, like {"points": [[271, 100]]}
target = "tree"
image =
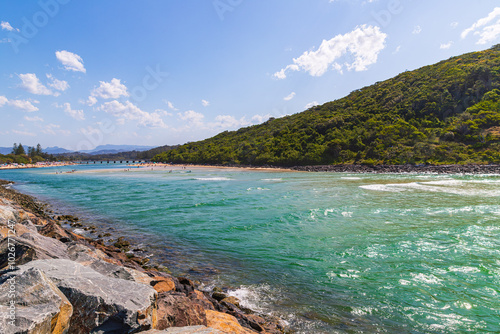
{"points": [[20, 150], [39, 150], [14, 149]]}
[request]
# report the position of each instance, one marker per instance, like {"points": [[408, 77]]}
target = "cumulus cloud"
{"points": [[289, 97], [33, 119], [192, 117], [311, 104], [32, 84], [71, 61], [57, 84], [487, 28], [454, 24], [108, 90], [205, 103], [364, 44], [228, 122], [129, 111], [7, 26], [446, 46], [79, 115], [417, 30], [18, 104]]}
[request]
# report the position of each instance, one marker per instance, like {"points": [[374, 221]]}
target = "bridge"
{"points": [[92, 162]]}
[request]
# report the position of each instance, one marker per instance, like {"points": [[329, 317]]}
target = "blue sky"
{"points": [[82, 73]]}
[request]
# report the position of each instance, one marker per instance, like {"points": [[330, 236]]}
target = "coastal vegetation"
{"points": [[444, 113], [20, 155]]}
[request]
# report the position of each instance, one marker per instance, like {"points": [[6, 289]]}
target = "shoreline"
{"points": [[351, 168], [173, 296], [37, 165]]}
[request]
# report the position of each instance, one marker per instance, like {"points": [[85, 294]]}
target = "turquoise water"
{"points": [[329, 253]]}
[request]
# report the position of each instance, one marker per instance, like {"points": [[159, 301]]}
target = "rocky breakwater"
{"points": [[55, 281]]}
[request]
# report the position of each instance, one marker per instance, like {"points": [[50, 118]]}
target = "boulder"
{"points": [[8, 213], [232, 300], [185, 330], [226, 323], [31, 246], [93, 258], [163, 284], [101, 304], [177, 310], [39, 305]]}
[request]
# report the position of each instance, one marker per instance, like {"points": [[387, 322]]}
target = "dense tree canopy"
{"points": [[444, 113]]}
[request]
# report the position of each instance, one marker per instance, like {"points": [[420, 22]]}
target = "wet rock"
{"points": [[226, 323], [101, 304], [39, 305], [122, 243], [219, 296], [177, 310], [232, 300]]}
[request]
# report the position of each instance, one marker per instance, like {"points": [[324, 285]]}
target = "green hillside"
{"points": [[444, 113]]}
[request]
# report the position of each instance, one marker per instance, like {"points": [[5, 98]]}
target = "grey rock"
{"points": [[31, 246], [40, 307], [89, 257], [101, 304]]}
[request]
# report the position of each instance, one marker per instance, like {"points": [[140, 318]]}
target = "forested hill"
{"points": [[444, 113]]}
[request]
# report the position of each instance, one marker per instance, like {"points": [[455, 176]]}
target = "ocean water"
{"points": [[327, 252]]}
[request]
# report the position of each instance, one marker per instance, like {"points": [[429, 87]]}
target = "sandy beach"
{"points": [[37, 165]]}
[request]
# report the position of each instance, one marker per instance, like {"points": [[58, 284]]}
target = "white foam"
{"points": [[272, 179], [255, 297], [212, 179], [350, 178]]}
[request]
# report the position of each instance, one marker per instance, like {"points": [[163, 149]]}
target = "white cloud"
{"points": [[446, 46], [417, 30], [192, 117], [91, 101], [163, 112], [170, 105], [33, 119], [228, 122], [311, 104], [108, 90], [397, 49], [7, 26], [18, 104], [79, 115], [24, 133], [32, 84], [257, 119], [364, 44], [57, 84], [129, 111], [205, 103], [454, 24], [487, 28], [289, 97], [71, 61]]}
